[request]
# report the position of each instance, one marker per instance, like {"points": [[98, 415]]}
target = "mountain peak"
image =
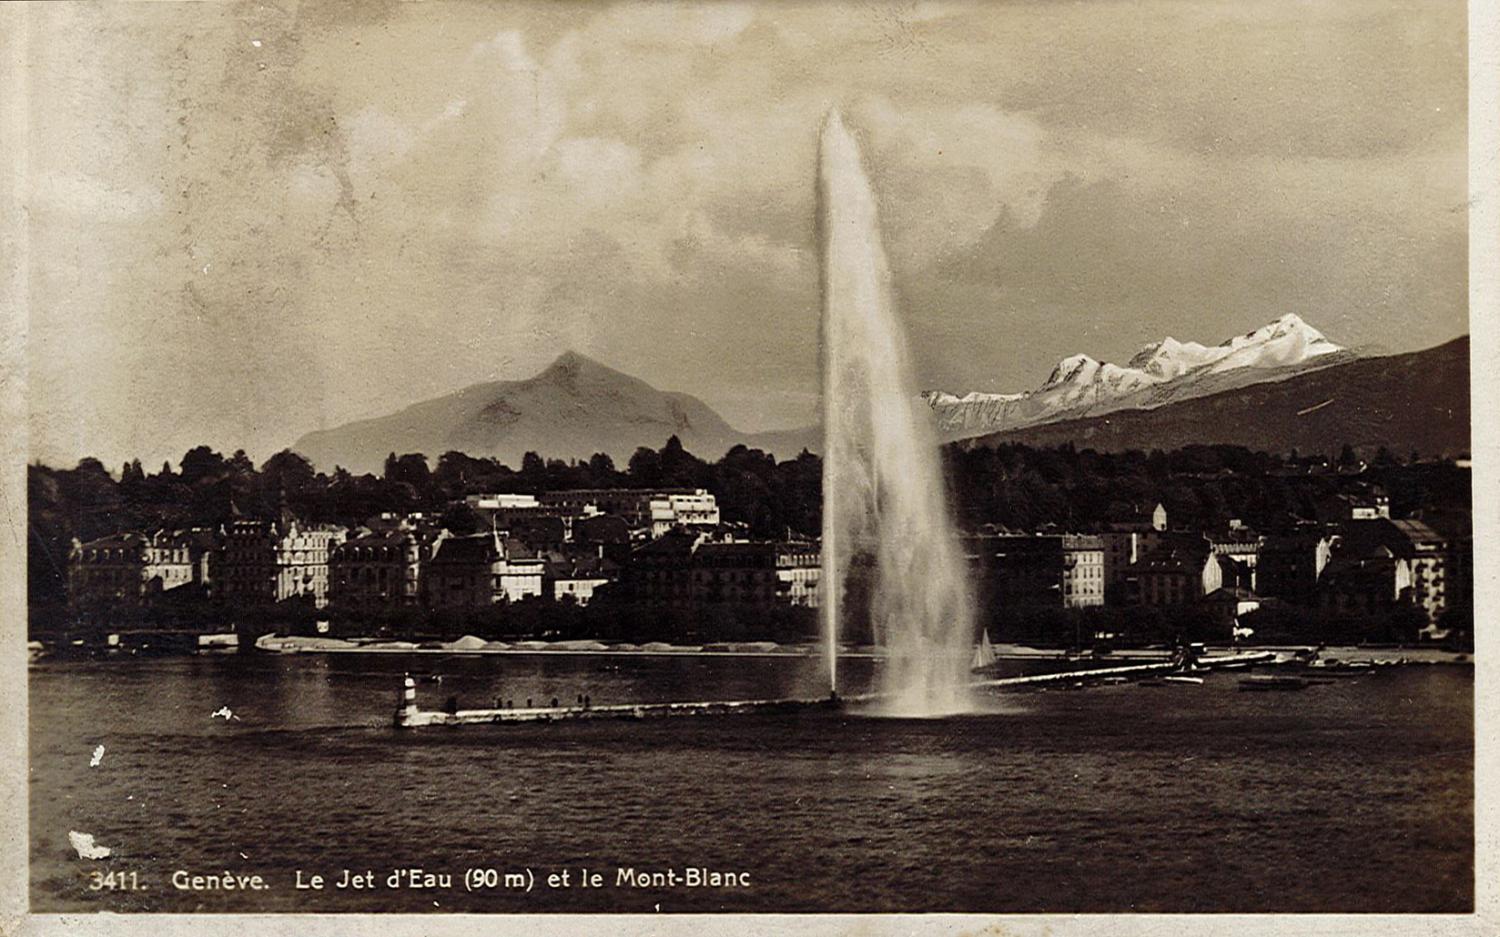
{"points": [[570, 367], [1074, 369], [571, 360], [571, 409], [1290, 324], [1163, 370]]}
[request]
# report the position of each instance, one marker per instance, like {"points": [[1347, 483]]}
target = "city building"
{"points": [[661, 570], [540, 533], [1377, 581], [1241, 548], [1138, 517], [799, 573], [1364, 503], [1176, 575], [1122, 548], [378, 569], [1083, 570], [576, 580], [130, 568], [273, 561], [1236, 575], [1460, 577], [387, 521], [683, 567], [1130, 532], [1289, 566], [757, 573], [603, 535], [1016, 570], [1429, 554], [502, 502], [507, 512], [482, 569], [1426, 552], [204, 547], [683, 509], [1228, 604], [650, 509]]}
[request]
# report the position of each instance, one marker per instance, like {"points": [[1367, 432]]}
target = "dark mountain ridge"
{"points": [[572, 409], [1415, 401]]}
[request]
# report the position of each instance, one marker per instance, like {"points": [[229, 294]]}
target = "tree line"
{"points": [[772, 499], [1202, 486], [1014, 486]]}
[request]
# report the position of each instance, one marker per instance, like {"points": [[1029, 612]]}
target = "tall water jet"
{"points": [[886, 524]]}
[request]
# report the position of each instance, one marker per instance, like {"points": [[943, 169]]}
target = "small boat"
{"points": [[1178, 678], [1270, 682], [984, 653]]}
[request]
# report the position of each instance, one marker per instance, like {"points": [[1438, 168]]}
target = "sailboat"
{"points": [[984, 652]]}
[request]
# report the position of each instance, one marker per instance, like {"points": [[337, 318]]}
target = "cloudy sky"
{"points": [[249, 221]]}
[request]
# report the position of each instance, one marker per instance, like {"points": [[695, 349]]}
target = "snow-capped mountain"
{"points": [[1287, 341], [1410, 402], [1159, 373]]}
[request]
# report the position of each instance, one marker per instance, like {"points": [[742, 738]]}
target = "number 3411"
{"points": [[114, 881]]}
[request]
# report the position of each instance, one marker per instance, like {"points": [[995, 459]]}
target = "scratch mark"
{"points": [[84, 845], [1318, 406]]}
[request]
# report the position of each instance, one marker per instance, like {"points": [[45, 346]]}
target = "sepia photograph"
{"points": [[692, 458]]}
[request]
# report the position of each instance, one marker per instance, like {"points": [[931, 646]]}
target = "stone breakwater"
{"points": [[410, 716]]}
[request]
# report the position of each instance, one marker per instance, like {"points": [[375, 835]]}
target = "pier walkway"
{"points": [[409, 716], [1130, 670]]}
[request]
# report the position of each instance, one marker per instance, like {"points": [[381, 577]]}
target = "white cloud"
{"points": [[952, 170], [375, 140], [599, 173]]}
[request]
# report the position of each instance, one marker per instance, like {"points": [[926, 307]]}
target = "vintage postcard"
{"points": [[992, 462]]}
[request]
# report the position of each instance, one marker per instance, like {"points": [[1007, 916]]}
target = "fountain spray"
{"points": [[883, 495]]}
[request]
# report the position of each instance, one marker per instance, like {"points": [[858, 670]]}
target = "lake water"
{"points": [[1353, 796]]}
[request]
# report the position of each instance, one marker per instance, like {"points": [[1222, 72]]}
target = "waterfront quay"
{"points": [[410, 716]]}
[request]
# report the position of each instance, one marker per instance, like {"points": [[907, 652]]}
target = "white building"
{"points": [[1083, 570], [272, 561], [693, 509], [481, 570], [501, 502]]}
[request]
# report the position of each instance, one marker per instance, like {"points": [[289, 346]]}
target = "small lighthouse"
{"points": [[407, 710]]}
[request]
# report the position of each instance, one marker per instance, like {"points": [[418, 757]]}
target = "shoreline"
{"points": [[288, 644], [1008, 652]]}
